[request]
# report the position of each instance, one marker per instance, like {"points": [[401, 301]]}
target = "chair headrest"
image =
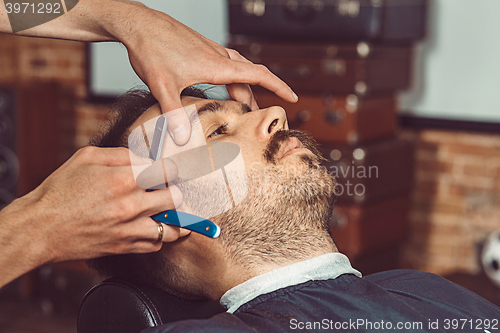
{"points": [[117, 305]]}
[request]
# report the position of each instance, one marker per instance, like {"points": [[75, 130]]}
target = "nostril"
{"points": [[274, 123]]}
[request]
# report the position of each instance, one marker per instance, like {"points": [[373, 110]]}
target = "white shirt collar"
{"points": [[324, 267]]}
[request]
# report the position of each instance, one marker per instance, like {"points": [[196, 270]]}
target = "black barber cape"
{"points": [[391, 301]]}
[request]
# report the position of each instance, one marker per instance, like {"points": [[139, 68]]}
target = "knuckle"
{"points": [[121, 182], [154, 247], [127, 208], [233, 52], [123, 210], [222, 50], [139, 4], [87, 152], [126, 178], [118, 154], [262, 68], [120, 241], [124, 248], [122, 234], [122, 151]]}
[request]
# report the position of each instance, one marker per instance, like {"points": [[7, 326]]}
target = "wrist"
{"points": [[22, 240], [92, 21], [119, 19]]}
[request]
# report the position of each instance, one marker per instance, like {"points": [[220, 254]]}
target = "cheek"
{"points": [[253, 157]]}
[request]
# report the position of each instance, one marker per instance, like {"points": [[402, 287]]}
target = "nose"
{"points": [[271, 120]]}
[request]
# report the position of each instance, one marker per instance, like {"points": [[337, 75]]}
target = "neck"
{"points": [[237, 273]]}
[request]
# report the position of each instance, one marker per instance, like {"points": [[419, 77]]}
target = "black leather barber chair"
{"points": [[116, 305]]}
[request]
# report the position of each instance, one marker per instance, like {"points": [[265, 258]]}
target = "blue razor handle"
{"points": [[189, 221]]}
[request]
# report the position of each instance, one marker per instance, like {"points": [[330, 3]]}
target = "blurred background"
{"points": [[407, 87]]}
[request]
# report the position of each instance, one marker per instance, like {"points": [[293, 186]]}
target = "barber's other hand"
{"points": [[169, 56], [91, 206]]}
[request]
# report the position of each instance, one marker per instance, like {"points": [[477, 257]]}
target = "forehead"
{"points": [[155, 111]]}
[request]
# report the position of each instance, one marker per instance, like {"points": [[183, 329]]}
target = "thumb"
{"points": [[179, 126], [242, 93]]}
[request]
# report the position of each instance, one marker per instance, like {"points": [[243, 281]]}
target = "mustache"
{"points": [[282, 136]]}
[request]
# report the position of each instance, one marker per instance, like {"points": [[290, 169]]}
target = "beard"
{"points": [[284, 216]]}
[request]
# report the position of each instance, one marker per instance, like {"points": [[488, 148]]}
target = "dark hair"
{"points": [[122, 114]]}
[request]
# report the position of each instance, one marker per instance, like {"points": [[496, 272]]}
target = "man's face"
{"points": [[287, 207]]}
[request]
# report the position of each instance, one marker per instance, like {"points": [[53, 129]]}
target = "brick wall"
{"points": [[24, 60], [456, 201]]}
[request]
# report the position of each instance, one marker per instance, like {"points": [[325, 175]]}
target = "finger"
{"points": [[159, 201], [179, 126], [144, 246], [183, 232], [242, 93], [119, 156], [158, 174], [149, 238], [245, 72], [235, 55], [161, 232], [171, 233], [150, 231]]}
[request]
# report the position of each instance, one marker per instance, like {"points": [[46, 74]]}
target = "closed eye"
{"points": [[222, 129]]}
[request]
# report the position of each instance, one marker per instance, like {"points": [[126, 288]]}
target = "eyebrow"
{"points": [[210, 107], [217, 107]]}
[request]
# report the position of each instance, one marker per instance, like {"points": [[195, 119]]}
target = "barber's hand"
{"points": [[169, 56], [91, 206]]}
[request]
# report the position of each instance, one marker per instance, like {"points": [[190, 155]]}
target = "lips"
{"points": [[289, 146]]}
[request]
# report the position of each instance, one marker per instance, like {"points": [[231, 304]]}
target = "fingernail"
{"points": [[184, 232], [295, 96], [177, 196], [181, 134]]}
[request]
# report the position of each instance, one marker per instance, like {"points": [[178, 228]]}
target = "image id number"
{"points": [[32, 8], [465, 324]]}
